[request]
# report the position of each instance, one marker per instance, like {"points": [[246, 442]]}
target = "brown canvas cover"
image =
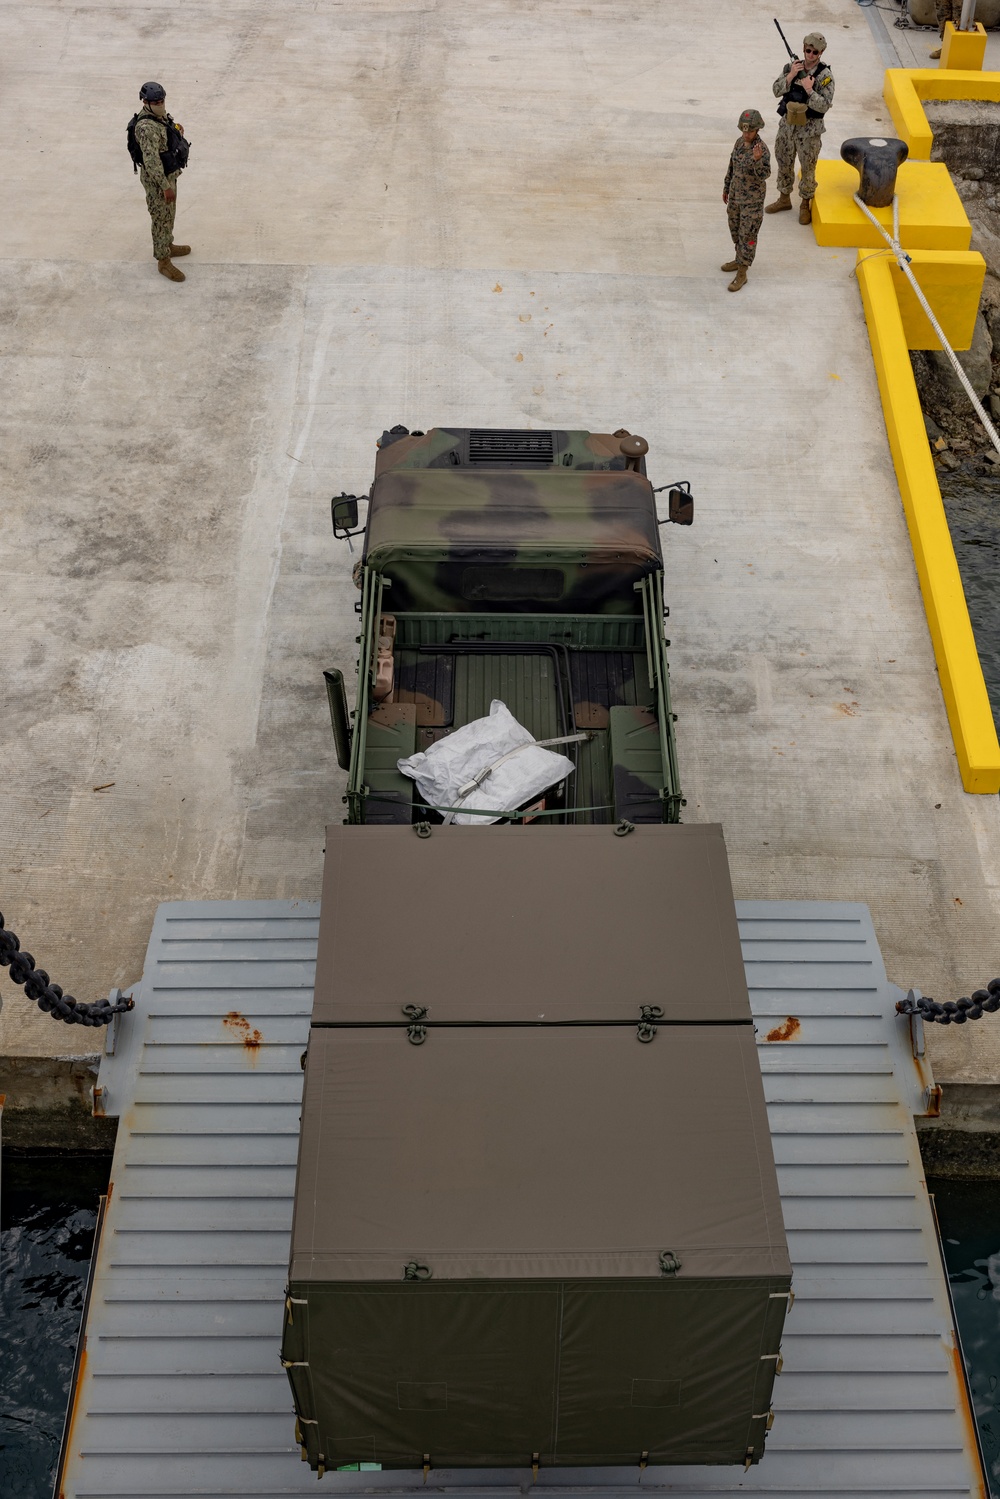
{"points": [[529, 924], [592, 1219], [521, 1152]]}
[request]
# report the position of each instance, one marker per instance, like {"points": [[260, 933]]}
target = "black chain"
{"points": [[953, 1011], [48, 996]]}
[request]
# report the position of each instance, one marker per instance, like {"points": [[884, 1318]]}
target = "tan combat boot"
{"points": [[779, 205], [730, 265], [936, 52], [170, 271], [180, 250], [806, 211], [740, 279]]}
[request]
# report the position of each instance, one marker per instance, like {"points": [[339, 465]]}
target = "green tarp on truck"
{"points": [[537, 1219]]}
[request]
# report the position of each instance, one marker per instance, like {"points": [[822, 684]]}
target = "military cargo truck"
{"points": [[536, 1221], [524, 566]]}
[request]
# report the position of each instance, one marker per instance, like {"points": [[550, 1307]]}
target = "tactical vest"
{"points": [[797, 95]]}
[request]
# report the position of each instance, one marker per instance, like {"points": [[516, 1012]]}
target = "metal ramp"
{"points": [[179, 1390]]}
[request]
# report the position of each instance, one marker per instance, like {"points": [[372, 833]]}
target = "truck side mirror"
{"points": [[344, 513], [680, 507]]}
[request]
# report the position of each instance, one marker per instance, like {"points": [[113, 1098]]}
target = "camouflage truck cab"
{"points": [[524, 566]]}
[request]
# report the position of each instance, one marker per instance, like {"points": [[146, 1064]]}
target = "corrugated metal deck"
{"points": [[180, 1390]]}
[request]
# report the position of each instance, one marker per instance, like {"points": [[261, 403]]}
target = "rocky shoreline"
{"points": [[967, 140]]}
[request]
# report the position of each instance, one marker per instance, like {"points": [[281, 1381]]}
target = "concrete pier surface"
{"points": [[502, 213]]}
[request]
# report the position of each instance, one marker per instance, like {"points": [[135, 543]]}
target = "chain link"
{"points": [[48, 996], [953, 1011]]}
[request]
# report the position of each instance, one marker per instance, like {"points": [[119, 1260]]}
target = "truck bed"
{"points": [[556, 675]]}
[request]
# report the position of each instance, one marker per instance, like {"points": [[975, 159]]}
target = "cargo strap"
{"points": [[487, 770], [291, 1301], [423, 829]]}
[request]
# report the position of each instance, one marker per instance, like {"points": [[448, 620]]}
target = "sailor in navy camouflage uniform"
{"points": [[946, 10], [804, 92], [743, 194], [161, 188]]}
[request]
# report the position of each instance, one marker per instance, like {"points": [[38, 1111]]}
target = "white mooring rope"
{"points": [[892, 240]]}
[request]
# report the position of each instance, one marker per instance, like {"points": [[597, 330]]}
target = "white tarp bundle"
{"points": [[451, 772]]}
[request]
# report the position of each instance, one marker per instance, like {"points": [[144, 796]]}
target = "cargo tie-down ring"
{"points": [[416, 1033], [414, 1271], [648, 1014]]}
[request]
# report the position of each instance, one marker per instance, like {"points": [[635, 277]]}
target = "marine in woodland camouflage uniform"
{"points": [[808, 83], [743, 194], [160, 187], [946, 10]]}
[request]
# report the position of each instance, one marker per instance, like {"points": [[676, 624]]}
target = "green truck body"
{"points": [[537, 1220]]}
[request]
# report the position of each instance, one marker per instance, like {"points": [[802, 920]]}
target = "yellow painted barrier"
{"points": [[960, 673], [931, 215], [952, 282], [963, 49], [905, 89]]}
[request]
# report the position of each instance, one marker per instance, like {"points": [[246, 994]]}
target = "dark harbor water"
{"points": [[48, 1211], [972, 506], [969, 1218]]}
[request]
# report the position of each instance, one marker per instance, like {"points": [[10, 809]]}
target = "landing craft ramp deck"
{"points": [[179, 1390]]}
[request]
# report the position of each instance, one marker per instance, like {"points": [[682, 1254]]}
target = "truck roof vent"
{"points": [[513, 449]]}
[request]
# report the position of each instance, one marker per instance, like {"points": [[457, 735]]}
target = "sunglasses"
{"points": [[810, 51]]}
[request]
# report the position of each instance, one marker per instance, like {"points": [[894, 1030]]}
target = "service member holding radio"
{"points": [[805, 92]]}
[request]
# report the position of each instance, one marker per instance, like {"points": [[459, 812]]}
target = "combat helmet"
{"points": [[751, 119]]}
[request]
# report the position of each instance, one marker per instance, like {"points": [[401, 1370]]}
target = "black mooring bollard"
{"points": [[877, 160]]}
